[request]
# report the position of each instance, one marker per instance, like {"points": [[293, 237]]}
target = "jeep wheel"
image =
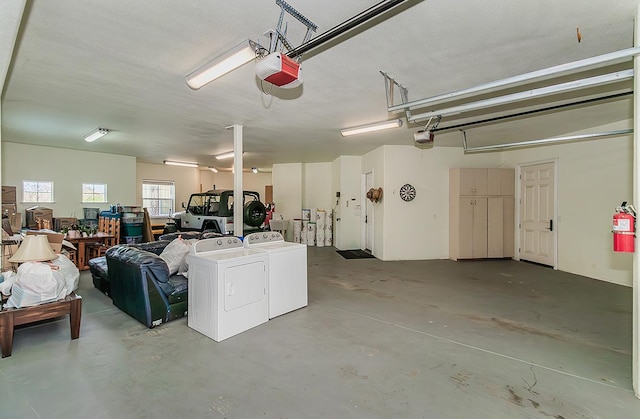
{"points": [[254, 213]]}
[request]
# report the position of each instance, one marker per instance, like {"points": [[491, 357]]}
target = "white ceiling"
{"points": [[78, 65]]}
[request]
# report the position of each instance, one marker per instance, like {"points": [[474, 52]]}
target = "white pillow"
{"points": [[175, 253]]}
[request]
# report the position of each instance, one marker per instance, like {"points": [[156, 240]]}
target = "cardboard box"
{"points": [[39, 213], [62, 222], [9, 195]]}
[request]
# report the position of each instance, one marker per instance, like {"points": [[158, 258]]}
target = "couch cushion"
{"points": [[187, 235], [141, 258], [154, 247], [176, 288]]}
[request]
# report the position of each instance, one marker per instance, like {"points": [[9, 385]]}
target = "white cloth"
{"points": [[175, 254], [36, 283]]}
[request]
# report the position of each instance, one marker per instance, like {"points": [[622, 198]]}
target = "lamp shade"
{"points": [[34, 249]]}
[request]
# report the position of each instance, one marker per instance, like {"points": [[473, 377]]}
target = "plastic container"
{"points": [[91, 213], [132, 229], [132, 220], [133, 239]]}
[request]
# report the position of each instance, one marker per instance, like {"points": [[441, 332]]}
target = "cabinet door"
{"points": [[479, 228], [473, 181], [472, 241], [500, 219], [495, 227], [500, 182]]}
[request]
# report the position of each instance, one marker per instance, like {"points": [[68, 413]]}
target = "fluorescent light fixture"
{"points": [[95, 134], [225, 63], [377, 126], [180, 163], [254, 169], [228, 155], [213, 169]]}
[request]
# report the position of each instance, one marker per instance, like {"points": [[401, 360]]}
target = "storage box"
{"points": [[133, 239], [9, 195], [8, 209], [132, 229], [39, 213], [64, 222]]}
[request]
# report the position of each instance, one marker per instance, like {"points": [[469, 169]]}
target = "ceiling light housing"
{"points": [[377, 126], [236, 57], [213, 169], [180, 163], [254, 169], [95, 134]]}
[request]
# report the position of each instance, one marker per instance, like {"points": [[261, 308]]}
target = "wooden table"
{"points": [[80, 244], [11, 317]]}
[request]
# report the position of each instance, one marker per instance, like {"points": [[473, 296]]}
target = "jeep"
{"points": [[213, 211]]}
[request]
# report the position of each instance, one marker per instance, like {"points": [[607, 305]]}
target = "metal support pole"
{"points": [[238, 196]]}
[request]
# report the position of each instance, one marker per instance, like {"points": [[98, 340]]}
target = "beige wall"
{"points": [[68, 169], [287, 191], [224, 180], [593, 178], [317, 185]]}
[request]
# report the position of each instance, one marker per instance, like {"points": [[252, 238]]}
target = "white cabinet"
{"points": [[481, 213]]}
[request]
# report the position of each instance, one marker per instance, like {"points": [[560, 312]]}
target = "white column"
{"points": [[635, 361], [237, 181]]}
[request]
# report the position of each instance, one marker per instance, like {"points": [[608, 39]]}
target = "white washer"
{"points": [[228, 287], [287, 271]]}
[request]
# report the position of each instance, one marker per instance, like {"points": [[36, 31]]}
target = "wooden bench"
{"points": [[11, 317]]}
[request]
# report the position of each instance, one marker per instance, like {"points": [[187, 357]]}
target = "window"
{"points": [[37, 191], [158, 197], [94, 192]]}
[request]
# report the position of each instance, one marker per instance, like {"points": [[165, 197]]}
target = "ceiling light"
{"points": [[180, 163], [213, 169], [371, 127], [254, 169], [95, 134], [218, 67], [228, 155]]}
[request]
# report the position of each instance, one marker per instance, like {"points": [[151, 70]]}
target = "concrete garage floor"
{"points": [[417, 339]]}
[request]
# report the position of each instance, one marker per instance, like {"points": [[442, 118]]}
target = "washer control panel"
{"points": [[216, 243], [263, 237]]}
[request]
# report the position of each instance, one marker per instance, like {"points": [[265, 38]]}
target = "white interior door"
{"points": [[368, 216], [537, 213]]}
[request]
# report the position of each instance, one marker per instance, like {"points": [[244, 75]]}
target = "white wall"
{"points": [[420, 229], [593, 178], [224, 180], [69, 169], [287, 191], [186, 180], [347, 221], [317, 185]]}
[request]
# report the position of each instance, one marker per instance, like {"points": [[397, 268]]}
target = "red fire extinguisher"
{"points": [[624, 223]]}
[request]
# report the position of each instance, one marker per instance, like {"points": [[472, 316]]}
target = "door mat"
{"points": [[355, 254]]}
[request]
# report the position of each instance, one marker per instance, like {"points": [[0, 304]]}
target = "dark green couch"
{"points": [[140, 285]]}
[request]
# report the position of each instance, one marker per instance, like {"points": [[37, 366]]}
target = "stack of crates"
{"points": [[131, 228]]}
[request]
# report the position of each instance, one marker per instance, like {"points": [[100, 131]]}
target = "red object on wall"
{"points": [[623, 232]]}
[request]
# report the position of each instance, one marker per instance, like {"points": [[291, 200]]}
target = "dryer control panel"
{"points": [[263, 237], [216, 243]]}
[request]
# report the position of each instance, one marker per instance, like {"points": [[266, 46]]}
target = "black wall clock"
{"points": [[407, 192]]}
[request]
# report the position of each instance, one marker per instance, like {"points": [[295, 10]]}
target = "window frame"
{"points": [[151, 209], [104, 201], [38, 192]]}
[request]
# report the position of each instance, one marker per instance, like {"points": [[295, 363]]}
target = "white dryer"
{"points": [[227, 287], [287, 271]]}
